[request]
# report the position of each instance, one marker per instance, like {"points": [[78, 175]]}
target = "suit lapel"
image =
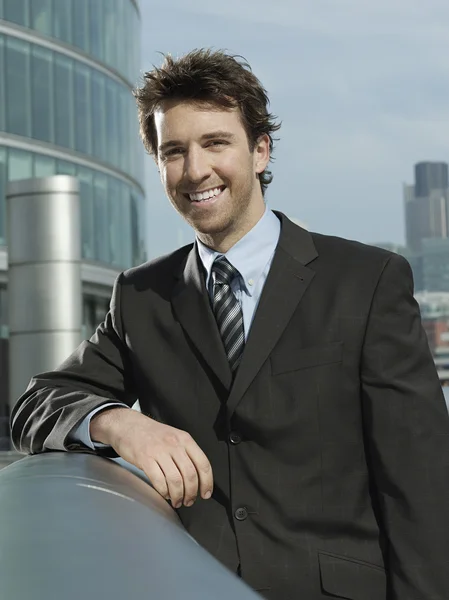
{"points": [[192, 307], [286, 283]]}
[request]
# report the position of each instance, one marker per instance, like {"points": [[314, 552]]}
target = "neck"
{"points": [[224, 240]]}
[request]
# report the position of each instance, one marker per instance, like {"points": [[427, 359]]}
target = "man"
{"points": [[291, 410]]}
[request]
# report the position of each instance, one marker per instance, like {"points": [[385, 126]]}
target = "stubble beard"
{"points": [[232, 224]]}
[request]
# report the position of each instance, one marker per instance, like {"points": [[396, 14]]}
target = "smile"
{"points": [[207, 196]]}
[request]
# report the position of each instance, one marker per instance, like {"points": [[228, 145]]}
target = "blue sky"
{"points": [[361, 88]]}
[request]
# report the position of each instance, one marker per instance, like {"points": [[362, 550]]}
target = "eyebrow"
{"points": [[207, 136]]}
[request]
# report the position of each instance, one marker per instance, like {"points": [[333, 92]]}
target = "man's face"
{"points": [[207, 168]]}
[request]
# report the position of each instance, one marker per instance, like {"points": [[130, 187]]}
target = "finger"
{"points": [[157, 478], [173, 479], [203, 469], [189, 475]]}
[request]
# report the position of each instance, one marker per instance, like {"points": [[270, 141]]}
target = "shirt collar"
{"points": [[250, 254]]}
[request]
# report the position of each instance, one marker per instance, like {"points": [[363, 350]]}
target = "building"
{"points": [[430, 265], [426, 204], [434, 307], [430, 176], [437, 332], [416, 262], [435, 264], [442, 364], [67, 68]]}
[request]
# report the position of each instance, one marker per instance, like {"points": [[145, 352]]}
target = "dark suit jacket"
{"points": [[330, 449]]}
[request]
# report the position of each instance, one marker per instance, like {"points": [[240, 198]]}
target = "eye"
{"points": [[172, 152], [217, 143]]}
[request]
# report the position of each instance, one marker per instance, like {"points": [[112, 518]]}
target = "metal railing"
{"points": [[75, 525]]}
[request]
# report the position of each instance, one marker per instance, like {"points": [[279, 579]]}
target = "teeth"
{"points": [[205, 195]]}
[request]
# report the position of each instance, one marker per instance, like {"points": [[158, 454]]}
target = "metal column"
{"points": [[44, 279]]}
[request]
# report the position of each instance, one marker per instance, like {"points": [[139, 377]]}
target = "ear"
{"points": [[262, 153]]}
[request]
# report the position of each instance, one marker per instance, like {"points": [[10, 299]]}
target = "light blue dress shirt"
{"points": [[252, 257]]}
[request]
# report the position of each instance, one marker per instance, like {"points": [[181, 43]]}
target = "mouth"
{"points": [[207, 196]]}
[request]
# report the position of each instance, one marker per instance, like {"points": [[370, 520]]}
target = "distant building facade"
{"points": [[434, 307], [67, 69], [426, 204], [426, 208], [435, 265]]}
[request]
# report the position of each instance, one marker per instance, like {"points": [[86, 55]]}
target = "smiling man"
{"points": [[291, 410]]}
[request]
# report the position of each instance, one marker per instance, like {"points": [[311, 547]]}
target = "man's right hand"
{"points": [[176, 466]]}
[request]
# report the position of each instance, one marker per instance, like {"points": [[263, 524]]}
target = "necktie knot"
{"points": [[223, 272]]}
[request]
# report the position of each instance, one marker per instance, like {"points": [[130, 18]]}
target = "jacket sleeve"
{"points": [[56, 402], [407, 439]]}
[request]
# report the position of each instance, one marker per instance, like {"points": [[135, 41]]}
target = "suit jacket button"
{"points": [[241, 514], [235, 438]]}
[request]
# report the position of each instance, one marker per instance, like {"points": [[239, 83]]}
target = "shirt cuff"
{"points": [[82, 432]]}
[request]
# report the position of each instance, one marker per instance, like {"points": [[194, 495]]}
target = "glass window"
{"points": [[80, 24], [142, 221], [44, 166], [42, 87], [62, 20], [20, 165], [4, 316], [3, 184], [94, 312], [2, 84], [125, 225], [122, 128], [111, 122], [98, 115], [18, 109], [135, 144], [119, 33], [139, 156], [132, 43], [96, 28], [65, 168], [41, 15], [136, 34], [118, 237], [63, 90], [89, 324], [135, 229], [85, 177], [101, 218], [17, 11], [128, 56], [110, 32], [82, 106]]}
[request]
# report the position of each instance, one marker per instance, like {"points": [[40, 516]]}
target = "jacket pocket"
{"points": [[351, 579], [303, 358]]}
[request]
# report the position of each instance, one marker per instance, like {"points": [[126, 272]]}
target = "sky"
{"points": [[361, 88]]}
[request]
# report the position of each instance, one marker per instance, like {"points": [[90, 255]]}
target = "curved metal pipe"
{"points": [[77, 525]]}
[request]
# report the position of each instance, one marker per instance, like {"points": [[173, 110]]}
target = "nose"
{"points": [[197, 167]]}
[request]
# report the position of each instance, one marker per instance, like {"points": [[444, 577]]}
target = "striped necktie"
{"points": [[228, 312]]}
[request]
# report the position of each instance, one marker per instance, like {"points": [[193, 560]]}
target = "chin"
{"points": [[210, 226]]}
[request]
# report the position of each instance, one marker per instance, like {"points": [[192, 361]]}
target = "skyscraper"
{"points": [[67, 68], [430, 176], [427, 204]]}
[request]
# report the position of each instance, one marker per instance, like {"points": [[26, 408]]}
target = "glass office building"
{"points": [[67, 68]]}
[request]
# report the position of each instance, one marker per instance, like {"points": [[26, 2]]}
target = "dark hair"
{"points": [[213, 77]]}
